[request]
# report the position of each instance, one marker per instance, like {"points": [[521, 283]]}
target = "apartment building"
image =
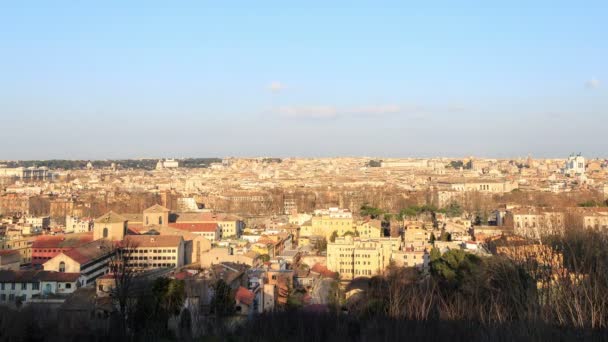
{"points": [[154, 251], [20, 244], [355, 257], [537, 222], [89, 260], [369, 229], [46, 247], [412, 258], [24, 286]]}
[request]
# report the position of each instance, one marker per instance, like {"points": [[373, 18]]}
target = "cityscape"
{"points": [[282, 234], [340, 171]]}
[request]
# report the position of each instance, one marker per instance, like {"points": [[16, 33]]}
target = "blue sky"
{"points": [[122, 79]]}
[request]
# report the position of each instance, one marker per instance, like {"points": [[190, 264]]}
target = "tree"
{"points": [[265, 257], [123, 276], [222, 303], [367, 210], [445, 236], [435, 254], [432, 239], [333, 236]]}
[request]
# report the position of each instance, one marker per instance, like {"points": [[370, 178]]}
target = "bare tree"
{"points": [[123, 274]]}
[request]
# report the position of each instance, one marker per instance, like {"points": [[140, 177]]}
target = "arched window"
{"points": [[160, 220], [105, 232], [62, 266]]}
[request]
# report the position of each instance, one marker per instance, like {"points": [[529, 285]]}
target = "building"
{"points": [[14, 204], [77, 225], [356, 257], [110, 226], [90, 260], [230, 226], [156, 215], [370, 229], [10, 260], [412, 258], [595, 219], [325, 222], [24, 172], [167, 164], [536, 222], [20, 287], [22, 245], [211, 231], [46, 247], [154, 251], [38, 223], [575, 165]]}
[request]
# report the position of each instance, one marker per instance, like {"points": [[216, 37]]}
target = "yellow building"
{"points": [[110, 226], [325, 225], [356, 257], [23, 245], [156, 215], [370, 229]]}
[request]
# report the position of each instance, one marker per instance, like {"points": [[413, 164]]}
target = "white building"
{"points": [[77, 225], [575, 165], [23, 286]]}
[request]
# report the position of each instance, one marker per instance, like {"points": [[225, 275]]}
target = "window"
{"points": [[2, 286], [35, 286], [100, 288], [147, 223], [68, 286], [160, 220], [11, 297], [24, 286], [62, 266], [3, 297], [12, 286], [105, 232]]}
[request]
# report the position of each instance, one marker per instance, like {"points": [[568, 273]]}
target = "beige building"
{"points": [[110, 226], [356, 257], [326, 224], [369, 229], [22, 245], [156, 215], [155, 251], [90, 260], [535, 222], [596, 219], [412, 258]]}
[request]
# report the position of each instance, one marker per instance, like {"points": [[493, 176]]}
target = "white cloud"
{"points": [[276, 86], [332, 112], [593, 83], [312, 112]]}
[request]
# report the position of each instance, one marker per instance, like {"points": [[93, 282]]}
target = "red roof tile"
{"points": [[195, 227], [244, 296]]}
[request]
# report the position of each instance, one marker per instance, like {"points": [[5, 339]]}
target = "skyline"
{"points": [[85, 81]]}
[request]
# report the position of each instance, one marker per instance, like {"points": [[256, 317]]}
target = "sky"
{"points": [[135, 79]]}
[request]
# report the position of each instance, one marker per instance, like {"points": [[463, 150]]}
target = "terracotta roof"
{"points": [[89, 252], [244, 296], [62, 241], [110, 217], [154, 240], [204, 217], [322, 270], [157, 209], [195, 227]]}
